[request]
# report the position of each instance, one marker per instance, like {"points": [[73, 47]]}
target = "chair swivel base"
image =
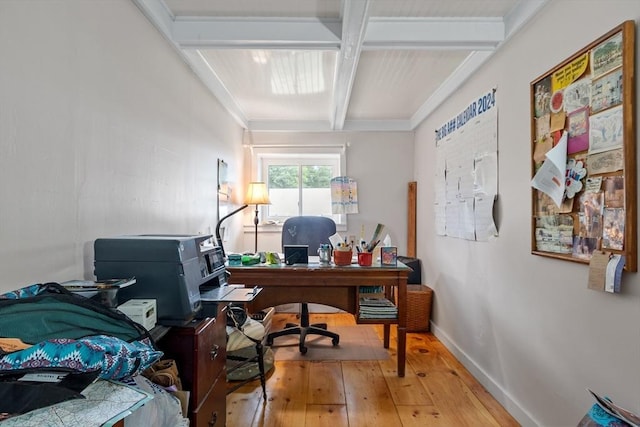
{"points": [[304, 329]]}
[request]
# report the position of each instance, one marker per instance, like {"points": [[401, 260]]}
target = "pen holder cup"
{"points": [[342, 257], [365, 259]]}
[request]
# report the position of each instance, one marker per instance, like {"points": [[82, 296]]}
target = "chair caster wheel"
{"points": [[335, 341], [303, 350]]}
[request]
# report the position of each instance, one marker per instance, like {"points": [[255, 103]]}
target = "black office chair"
{"points": [[311, 231]]}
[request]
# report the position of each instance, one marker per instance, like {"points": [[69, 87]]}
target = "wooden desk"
{"points": [[337, 286]]}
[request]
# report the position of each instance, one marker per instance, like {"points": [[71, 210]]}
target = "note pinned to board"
{"points": [[605, 271], [598, 270], [550, 178], [614, 273]]}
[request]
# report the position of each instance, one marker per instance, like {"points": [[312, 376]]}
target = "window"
{"points": [[299, 183]]}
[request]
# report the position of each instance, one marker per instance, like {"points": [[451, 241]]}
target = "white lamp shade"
{"points": [[257, 194]]}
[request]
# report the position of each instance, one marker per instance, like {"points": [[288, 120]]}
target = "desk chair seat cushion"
{"points": [[237, 339]]}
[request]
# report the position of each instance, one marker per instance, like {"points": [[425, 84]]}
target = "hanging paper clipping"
{"points": [[344, 195]]}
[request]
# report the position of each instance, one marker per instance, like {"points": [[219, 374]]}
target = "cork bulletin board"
{"points": [[583, 153]]}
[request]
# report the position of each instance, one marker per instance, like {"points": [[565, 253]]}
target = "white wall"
{"points": [[380, 162], [103, 131], [527, 326]]}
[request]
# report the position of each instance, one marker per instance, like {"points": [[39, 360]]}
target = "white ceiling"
{"points": [[317, 65]]}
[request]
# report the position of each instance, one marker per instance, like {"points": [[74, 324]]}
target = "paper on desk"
{"points": [[550, 178]]}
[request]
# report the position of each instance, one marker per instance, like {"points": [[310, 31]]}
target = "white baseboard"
{"points": [[495, 389]]}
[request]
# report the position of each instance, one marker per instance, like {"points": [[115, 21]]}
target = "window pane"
{"points": [[317, 201], [316, 176], [284, 202], [316, 190], [283, 176], [283, 190], [299, 183]]}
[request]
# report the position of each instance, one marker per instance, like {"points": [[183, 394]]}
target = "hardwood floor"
{"points": [[436, 391]]}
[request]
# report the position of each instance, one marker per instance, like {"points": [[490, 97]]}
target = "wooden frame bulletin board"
{"points": [[585, 107]]}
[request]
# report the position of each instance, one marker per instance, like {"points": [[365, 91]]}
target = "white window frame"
{"points": [[299, 155]]}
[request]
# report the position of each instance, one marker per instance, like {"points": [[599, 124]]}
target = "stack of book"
{"points": [[371, 289], [377, 308]]}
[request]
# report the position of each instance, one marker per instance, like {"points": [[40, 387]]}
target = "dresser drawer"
{"points": [[212, 411], [210, 357], [200, 352]]}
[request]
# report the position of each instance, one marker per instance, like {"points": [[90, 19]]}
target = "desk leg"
{"points": [[402, 350], [402, 324], [387, 334]]}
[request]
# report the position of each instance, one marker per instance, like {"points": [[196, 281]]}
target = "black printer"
{"points": [[168, 268]]}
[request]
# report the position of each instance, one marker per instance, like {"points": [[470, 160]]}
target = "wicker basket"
{"points": [[418, 308]]}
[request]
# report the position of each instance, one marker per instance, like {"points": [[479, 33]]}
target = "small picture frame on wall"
{"points": [[223, 182], [389, 256]]}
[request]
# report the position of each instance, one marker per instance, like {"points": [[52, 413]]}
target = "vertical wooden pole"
{"points": [[411, 219]]}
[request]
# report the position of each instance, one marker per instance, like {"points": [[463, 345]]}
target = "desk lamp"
{"points": [[218, 237], [257, 194]]}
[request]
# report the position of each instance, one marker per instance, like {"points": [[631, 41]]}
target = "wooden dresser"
{"points": [[200, 352]]}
